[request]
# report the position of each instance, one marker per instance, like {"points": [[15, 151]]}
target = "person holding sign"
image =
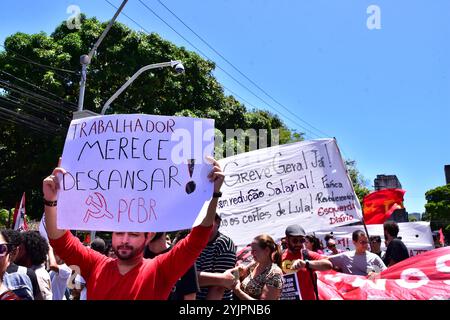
{"points": [[295, 237], [130, 276], [263, 278]]}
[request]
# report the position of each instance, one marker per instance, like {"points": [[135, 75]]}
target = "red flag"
{"points": [[20, 221], [441, 237], [379, 205]]}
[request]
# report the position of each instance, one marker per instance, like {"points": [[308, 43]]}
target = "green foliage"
{"points": [[437, 208], [27, 156], [4, 215]]}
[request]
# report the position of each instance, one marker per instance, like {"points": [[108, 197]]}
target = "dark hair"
{"points": [[36, 247], [266, 241], [6, 235], [316, 245], [328, 237], [15, 237], [108, 246], [157, 236], [375, 238], [356, 234], [391, 227], [181, 235], [98, 245]]}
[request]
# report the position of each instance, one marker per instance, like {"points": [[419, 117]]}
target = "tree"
{"points": [[437, 208], [39, 85], [358, 181], [4, 216]]}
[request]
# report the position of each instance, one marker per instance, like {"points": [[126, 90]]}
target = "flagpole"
{"points": [[351, 184], [367, 232]]}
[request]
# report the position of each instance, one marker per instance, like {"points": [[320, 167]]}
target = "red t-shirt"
{"points": [[303, 275], [152, 279]]}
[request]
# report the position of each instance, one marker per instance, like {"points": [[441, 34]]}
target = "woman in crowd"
{"points": [[5, 249], [263, 278], [313, 244]]}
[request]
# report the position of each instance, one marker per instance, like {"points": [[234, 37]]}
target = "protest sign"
{"points": [[135, 173], [268, 189], [416, 236], [291, 289]]}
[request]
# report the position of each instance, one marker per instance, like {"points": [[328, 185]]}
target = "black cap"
{"points": [[295, 230]]}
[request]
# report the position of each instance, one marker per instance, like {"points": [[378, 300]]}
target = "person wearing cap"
{"points": [[296, 252]]}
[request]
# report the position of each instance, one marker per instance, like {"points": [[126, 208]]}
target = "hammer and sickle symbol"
{"points": [[97, 207]]}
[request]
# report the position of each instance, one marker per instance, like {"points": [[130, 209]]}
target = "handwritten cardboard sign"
{"points": [[135, 173], [302, 183]]}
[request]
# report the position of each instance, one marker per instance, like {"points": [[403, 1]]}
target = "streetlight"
{"points": [[177, 65], [85, 59]]}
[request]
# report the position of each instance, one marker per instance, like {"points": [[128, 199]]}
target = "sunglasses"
{"points": [[375, 241], [363, 242], [5, 248], [297, 240]]}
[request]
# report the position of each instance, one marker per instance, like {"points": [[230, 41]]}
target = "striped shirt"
{"points": [[218, 256]]}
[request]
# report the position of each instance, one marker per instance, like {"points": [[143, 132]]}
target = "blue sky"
{"points": [[383, 93]]}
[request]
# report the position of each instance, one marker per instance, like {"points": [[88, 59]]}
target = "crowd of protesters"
{"points": [[199, 264], [31, 270]]}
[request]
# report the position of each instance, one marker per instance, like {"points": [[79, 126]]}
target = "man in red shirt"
{"points": [[294, 258], [130, 276]]}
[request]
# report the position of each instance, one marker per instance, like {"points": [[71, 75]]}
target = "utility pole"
{"points": [[85, 60]]}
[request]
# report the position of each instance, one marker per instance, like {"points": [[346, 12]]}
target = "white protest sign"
{"points": [[302, 183], [416, 236], [135, 173]]}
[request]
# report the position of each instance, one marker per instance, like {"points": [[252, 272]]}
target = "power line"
{"points": [[218, 66], [33, 95], [241, 73], [18, 122], [39, 122], [235, 94], [14, 104], [30, 121], [25, 59], [206, 56], [37, 87]]}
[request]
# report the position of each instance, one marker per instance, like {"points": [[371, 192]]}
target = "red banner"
{"points": [[422, 277], [379, 205]]}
